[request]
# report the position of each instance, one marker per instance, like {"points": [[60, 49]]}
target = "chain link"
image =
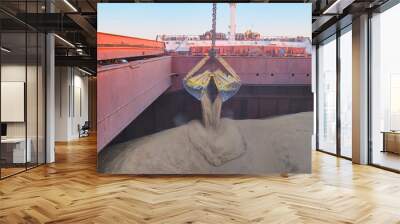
{"points": [[213, 31]]}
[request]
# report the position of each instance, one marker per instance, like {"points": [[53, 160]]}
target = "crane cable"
{"points": [[227, 81], [213, 31]]}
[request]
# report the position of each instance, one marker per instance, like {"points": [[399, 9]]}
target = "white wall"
{"points": [[79, 112], [62, 82], [70, 83]]}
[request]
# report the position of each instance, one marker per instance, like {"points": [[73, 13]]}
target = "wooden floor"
{"points": [[70, 191], [387, 159], [5, 172]]}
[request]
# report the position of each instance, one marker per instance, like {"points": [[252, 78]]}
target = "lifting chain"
{"points": [[213, 31]]}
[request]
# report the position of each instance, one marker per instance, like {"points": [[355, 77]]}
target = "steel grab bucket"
{"points": [[212, 72]]}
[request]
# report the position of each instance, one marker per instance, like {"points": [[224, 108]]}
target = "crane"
{"points": [[212, 81]]}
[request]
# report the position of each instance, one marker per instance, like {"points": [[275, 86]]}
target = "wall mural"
{"points": [[182, 90]]}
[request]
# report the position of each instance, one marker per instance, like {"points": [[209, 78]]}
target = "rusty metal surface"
{"points": [[249, 50], [110, 46], [253, 70], [125, 91]]}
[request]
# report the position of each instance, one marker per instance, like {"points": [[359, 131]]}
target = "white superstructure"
{"points": [[184, 45], [232, 26]]}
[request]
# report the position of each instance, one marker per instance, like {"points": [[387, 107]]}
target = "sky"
{"points": [[146, 20]]}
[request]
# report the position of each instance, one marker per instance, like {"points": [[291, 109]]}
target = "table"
{"points": [[13, 150], [391, 141]]}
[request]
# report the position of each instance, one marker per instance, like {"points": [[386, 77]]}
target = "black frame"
{"points": [[387, 5], [347, 28], [30, 29], [382, 8], [317, 93], [340, 31]]}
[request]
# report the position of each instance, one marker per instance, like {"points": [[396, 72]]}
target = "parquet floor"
{"points": [[11, 170], [70, 191]]}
